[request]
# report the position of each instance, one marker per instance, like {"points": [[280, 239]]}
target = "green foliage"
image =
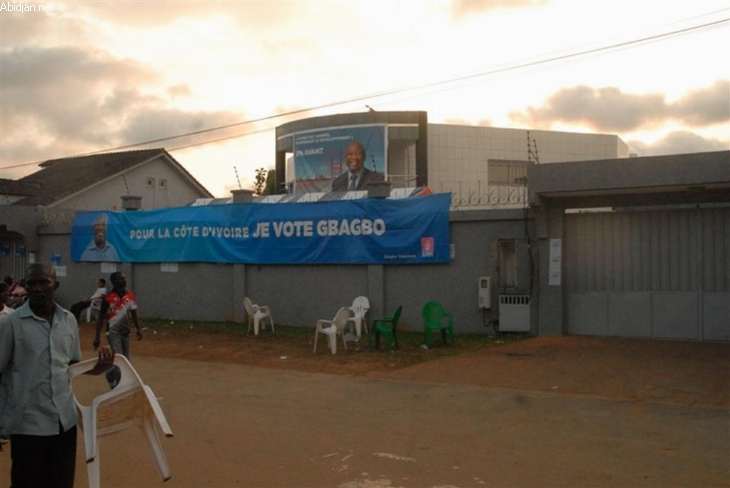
{"points": [[270, 183], [259, 181]]}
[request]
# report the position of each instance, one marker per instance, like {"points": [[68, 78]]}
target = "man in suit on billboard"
{"points": [[357, 175]]}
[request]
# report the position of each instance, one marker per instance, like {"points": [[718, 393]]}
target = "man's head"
{"points": [[101, 283], [41, 285], [118, 280], [99, 228], [355, 156]]}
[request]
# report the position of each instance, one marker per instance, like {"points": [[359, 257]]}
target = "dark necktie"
{"points": [[353, 182]]}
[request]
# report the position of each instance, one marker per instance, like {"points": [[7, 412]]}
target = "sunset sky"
{"points": [[90, 76]]}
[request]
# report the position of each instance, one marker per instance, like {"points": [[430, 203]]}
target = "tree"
{"points": [[259, 182], [270, 183]]}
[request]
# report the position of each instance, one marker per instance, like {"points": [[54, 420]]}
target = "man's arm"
{"points": [[135, 319], [100, 318]]}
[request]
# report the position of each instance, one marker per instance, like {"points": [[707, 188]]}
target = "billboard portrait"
{"points": [[340, 159]]}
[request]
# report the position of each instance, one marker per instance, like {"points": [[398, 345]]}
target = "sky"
{"points": [[86, 76]]}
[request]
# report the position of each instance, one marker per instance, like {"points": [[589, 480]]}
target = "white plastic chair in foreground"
{"points": [[256, 315], [130, 404], [332, 328], [360, 307]]}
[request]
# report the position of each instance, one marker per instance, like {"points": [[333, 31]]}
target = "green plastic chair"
{"points": [[387, 326], [435, 318]]}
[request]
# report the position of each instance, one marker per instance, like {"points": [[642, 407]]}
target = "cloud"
{"points": [[705, 106], [64, 101], [603, 109], [255, 14], [465, 8], [611, 110], [151, 123], [679, 143]]}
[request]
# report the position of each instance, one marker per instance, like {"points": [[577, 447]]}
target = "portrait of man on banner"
{"points": [[340, 159], [99, 249]]}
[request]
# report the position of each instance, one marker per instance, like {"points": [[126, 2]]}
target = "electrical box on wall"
{"points": [[485, 292]]}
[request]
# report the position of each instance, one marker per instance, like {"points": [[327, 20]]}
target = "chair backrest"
{"points": [[248, 305], [432, 311], [396, 315], [341, 318], [360, 306]]}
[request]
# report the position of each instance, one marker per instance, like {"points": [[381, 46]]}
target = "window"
{"points": [[150, 182], [505, 172], [163, 184]]}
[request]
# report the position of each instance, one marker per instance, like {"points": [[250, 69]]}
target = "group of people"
{"points": [[38, 341]]}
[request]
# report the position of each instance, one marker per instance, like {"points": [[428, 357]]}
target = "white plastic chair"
{"points": [[256, 315], [130, 404], [332, 328], [360, 307], [94, 306]]}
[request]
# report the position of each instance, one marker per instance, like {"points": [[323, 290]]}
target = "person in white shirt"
{"points": [[99, 293]]}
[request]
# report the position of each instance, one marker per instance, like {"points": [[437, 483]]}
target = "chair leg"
{"points": [[92, 471], [427, 338], [256, 327], [333, 342], [162, 467], [271, 319], [316, 334]]}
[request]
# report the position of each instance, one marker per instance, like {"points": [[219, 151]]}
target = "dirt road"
{"points": [[566, 411]]}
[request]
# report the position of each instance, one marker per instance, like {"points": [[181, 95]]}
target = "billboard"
{"points": [[366, 231], [323, 155]]}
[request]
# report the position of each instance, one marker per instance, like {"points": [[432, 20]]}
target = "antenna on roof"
{"points": [[237, 178], [532, 150]]}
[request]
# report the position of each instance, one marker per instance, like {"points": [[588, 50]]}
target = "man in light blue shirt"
{"points": [[37, 344], [99, 249]]}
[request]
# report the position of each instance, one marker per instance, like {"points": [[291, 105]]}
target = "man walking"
{"points": [[118, 308]]}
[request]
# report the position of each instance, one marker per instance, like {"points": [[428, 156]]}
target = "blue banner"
{"points": [[366, 231]]}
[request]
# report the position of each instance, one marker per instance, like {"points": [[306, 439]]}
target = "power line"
{"points": [[359, 98]]}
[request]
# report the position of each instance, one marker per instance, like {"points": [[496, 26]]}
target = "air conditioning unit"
{"points": [[514, 313]]}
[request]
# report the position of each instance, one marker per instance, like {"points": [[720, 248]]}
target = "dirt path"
{"points": [[565, 411]]}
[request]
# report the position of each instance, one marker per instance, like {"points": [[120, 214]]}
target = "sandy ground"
{"points": [[547, 411]]}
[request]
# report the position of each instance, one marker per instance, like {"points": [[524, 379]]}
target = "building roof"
{"points": [[61, 178], [17, 188]]}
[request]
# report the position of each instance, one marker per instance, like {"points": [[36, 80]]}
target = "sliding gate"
{"points": [[661, 273]]}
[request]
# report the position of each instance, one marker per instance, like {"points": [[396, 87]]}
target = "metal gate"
{"points": [[661, 273]]}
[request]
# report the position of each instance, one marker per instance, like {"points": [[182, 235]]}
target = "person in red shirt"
{"points": [[119, 311]]}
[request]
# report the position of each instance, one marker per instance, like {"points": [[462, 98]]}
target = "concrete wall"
{"points": [[300, 295]]}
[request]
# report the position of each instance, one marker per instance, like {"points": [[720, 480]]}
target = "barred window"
{"points": [[507, 172]]}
